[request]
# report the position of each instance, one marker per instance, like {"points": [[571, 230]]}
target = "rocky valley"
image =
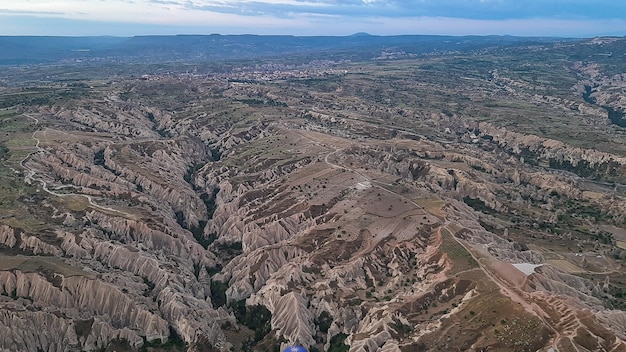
{"points": [[457, 200]]}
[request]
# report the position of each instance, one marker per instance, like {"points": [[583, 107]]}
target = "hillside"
{"points": [[362, 193]]}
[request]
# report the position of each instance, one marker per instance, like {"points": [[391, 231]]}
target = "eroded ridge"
{"points": [[329, 208]]}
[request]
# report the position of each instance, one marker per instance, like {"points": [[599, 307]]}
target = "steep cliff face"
{"points": [[13, 238], [122, 119], [53, 334], [134, 297], [293, 320], [600, 89], [74, 298], [548, 149]]}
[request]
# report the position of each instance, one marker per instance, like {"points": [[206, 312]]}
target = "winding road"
{"points": [[30, 177]]}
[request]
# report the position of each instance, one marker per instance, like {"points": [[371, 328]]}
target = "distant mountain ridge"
{"points": [[29, 50]]}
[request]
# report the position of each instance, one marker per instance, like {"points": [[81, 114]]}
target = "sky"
{"points": [[563, 18]]}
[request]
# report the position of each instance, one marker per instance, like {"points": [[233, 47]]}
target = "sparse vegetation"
{"points": [[256, 317], [341, 180], [337, 343]]}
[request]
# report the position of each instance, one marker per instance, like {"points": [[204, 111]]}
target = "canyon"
{"points": [[380, 205]]}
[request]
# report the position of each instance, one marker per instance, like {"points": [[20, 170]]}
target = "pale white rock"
{"points": [[292, 319], [7, 236], [38, 246], [248, 274]]}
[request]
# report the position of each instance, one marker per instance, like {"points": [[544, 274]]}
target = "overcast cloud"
{"points": [[313, 17]]}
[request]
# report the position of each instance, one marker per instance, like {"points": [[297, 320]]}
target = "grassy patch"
{"points": [[460, 257]]}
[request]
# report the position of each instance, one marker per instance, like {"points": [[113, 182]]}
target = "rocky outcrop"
{"points": [[52, 334], [8, 236], [247, 274], [108, 117], [553, 280], [293, 320], [128, 231], [194, 319], [78, 297], [614, 320], [547, 149], [13, 238]]}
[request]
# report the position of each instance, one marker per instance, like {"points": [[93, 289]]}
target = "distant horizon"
{"points": [[175, 31], [124, 18], [313, 35]]}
